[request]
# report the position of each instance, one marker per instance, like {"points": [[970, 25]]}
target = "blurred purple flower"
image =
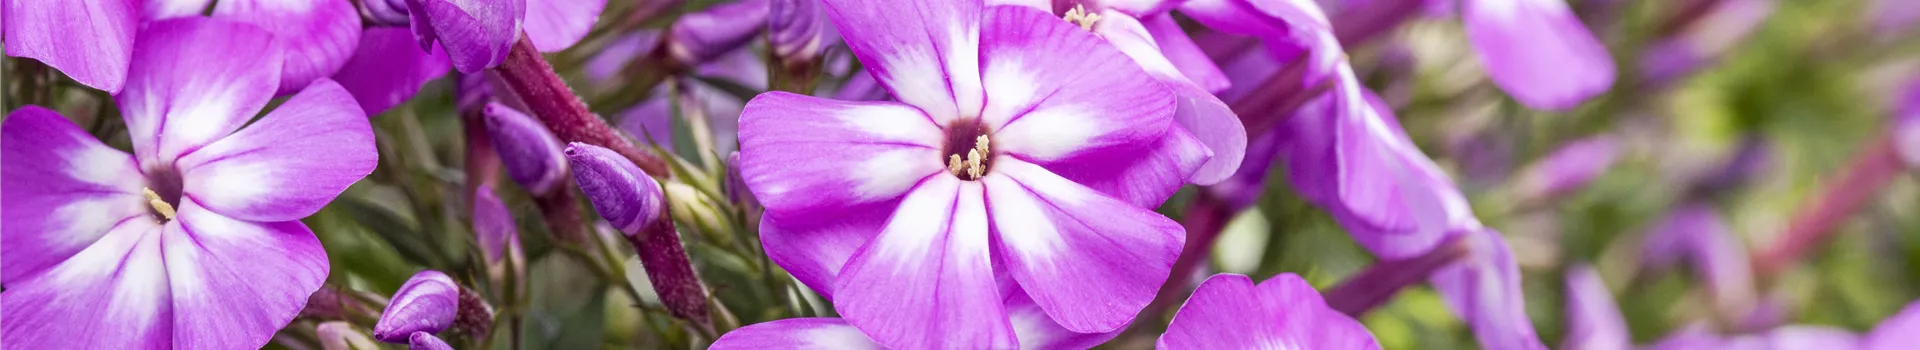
{"points": [[1906, 123], [1484, 289], [1569, 168], [427, 303], [1727, 24], [530, 153], [1694, 233], [232, 264], [1229, 311], [1538, 52], [1031, 326], [89, 40], [387, 69], [555, 25], [1783, 338], [880, 206], [705, 35], [1593, 319], [1894, 17], [1901, 331]]}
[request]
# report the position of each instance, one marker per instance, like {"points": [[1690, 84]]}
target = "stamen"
{"points": [[974, 165], [159, 205], [954, 164], [1079, 15]]}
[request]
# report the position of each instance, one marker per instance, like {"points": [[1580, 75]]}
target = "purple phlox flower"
{"points": [[1593, 319], [89, 40], [384, 13], [319, 36], [194, 240], [798, 29], [705, 35], [477, 34], [882, 207], [1483, 288], [1726, 25], [1229, 311], [1796, 337], [383, 73], [530, 153], [426, 341], [1694, 233], [1030, 325], [340, 335], [386, 69], [427, 303], [1906, 123], [1569, 168]]}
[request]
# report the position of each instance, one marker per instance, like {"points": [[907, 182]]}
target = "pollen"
{"points": [[159, 206], [974, 166], [1079, 15]]}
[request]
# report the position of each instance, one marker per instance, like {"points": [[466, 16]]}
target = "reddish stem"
{"points": [[560, 208], [1380, 282], [1276, 98], [667, 266], [1206, 216], [555, 105], [1863, 179]]}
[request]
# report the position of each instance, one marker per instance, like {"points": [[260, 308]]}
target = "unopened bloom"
{"points": [[705, 35], [882, 206], [195, 239], [478, 34], [1593, 319], [634, 204], [426, 341], [427, 303], [1569, 168], [1229, 311], [529, 152]]}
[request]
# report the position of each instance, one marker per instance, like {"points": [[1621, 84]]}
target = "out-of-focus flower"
{"points": [[1593, 319], [1894, 17], [1694, 233], [387, 68], [89, 40], [427, 303], [1538, 52], [340, 335], [195, 239], [1030, 325], [1569, 168], [702, 36], [319, 36], [1898, 332], [555, 25], [1783, 338], [425, 341], [880, 206], [529, 152], [1230, 312], [1483, 288], [633, 203], [1906, 124], [499, 238], [1727, 24]]}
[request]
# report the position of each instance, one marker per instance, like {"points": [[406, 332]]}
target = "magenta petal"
{"points": [[1228, 311], [1357, 163], [1538, 51], [1145, 179], [234, 283], [1059, 91], [1090, 260], [154, 10], [1185, 54], [193, 81], [388, 67], [1036, 330], [927, 280], [1897, 332], [319, 36], [1204, 116], [804, 155], [89, 40], [813, 248], [63, 191], [927, 53], [811, 333], [116, 286], [531, 154], [1484, 289], [555, 25], [1593, 319], [290, 163], [477, 34]]}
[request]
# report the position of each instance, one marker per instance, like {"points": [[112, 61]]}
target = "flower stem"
{"points": [[1863, 179], [671, 272], [1380, 282], [1275, 99], [560, 208], [549, 98], [1204, 219]]}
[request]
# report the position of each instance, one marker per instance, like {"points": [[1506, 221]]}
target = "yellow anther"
{"points": [[974, 165], [954, 164], [1079, 15], [159, 205]]}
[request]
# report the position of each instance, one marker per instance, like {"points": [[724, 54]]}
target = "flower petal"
{"points": [[1357, 163], [155, 10], [89, 40], [1090, 260], [428, 302], [290, 163], [1185, 54], [1895, 332], [234, 283], [64, 189], [1306, 317], [1204, 116], [814, 248], [555, 25], [1593, 319], [1484, 289], [1058, 91], [817, 333], [927, 53], [1144, 180], [803, 155], [1036, 330], [927, 280], [1224, 312], [477, 34], [388, 67], [193, 81], [113, 295], [319, 36], [1538, 51]]}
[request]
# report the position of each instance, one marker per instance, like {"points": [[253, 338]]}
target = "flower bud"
{"points": [[475, 316], [426, 341], [623, 194], [530, 153], [340, 335], [1570, 168], [385, 13], [702, 36], [428, 302], [794, 29], [495, 229], [477, 34]]}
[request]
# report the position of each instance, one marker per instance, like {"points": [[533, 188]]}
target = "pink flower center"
{"points": [[163, 191]]}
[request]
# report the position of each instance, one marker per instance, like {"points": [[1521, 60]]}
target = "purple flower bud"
{"points": [[794, 28], [1906, 124], [494, 227], [386, 13], [1570, 168], [426, 341], [477, 34], [1593, 319], [428, 302], [1709, 36], [701, 36], [623, 194], [340, 335], [530, 153]]}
